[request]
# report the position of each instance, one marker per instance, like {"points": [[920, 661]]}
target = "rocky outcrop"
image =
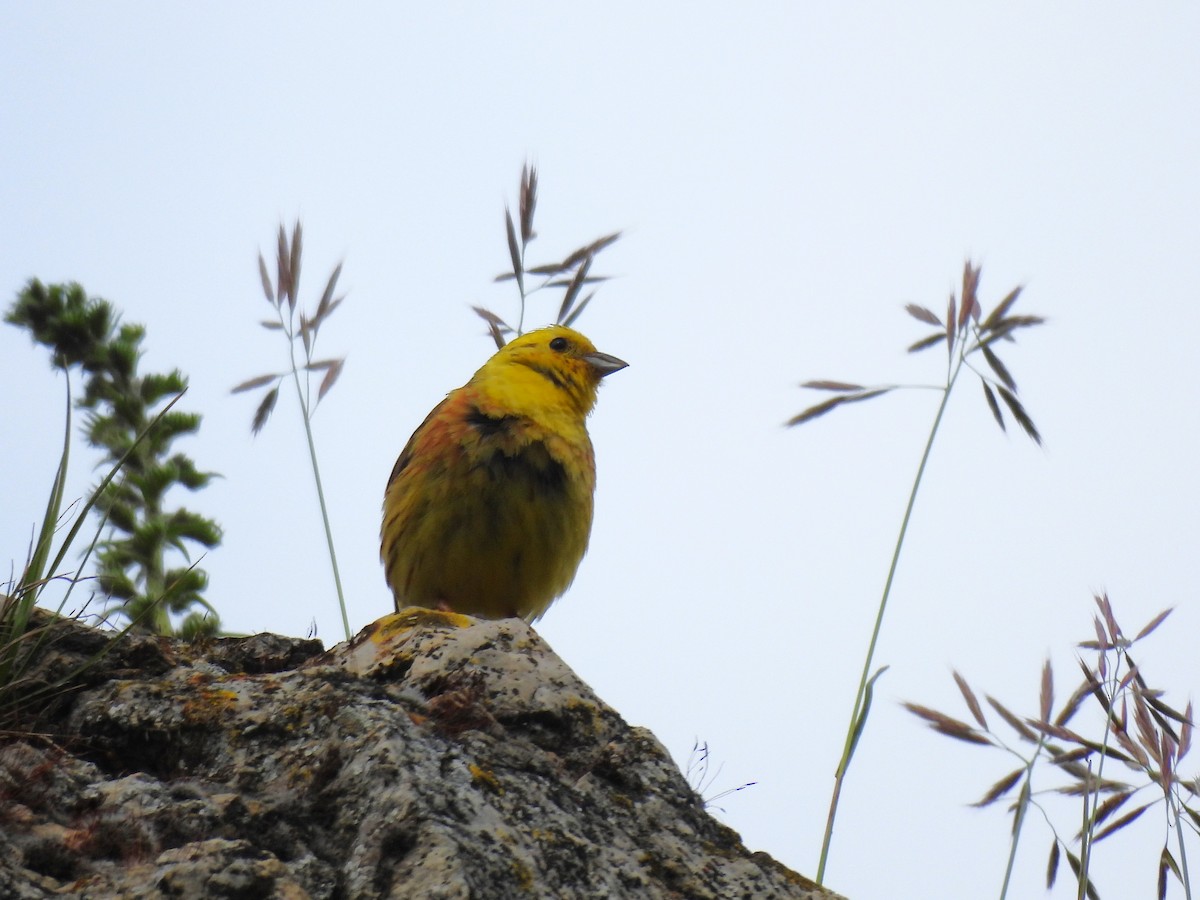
{"points": [[434, 756]]}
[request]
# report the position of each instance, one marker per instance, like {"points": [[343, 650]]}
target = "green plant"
{"points": [[966, 332], [21, 634], [133, 561], [20, 595], [572, 274], [1138, 731], [302, 329]]}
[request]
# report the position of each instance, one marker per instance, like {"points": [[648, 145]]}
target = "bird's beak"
{"points": [[603, 364]]}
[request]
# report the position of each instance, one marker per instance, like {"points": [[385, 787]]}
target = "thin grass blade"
{"points": [[927, 342], [993, 405], [282, 259], [861, 723], [1002, 309], [1018, 412], [578, 310], [947, 725], [573, 289], [998, 367], [1046, 695], [264, 410], [35, 570], [840, 386], [923, 314], [950, 325], [331, 377], [529, 180], [1153, 623], [266, 280], [971, 700], [1120, 823], [821, 408], [250, 385], [1000, 788], [294, 268], [323, 308], [591, 249], [497, 327], [514, 251]]}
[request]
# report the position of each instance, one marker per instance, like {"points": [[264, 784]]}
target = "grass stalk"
{"points": [[858, 716], [1183, 864], [283, 297], [964, 331], [312, 455], [1018, 822]]}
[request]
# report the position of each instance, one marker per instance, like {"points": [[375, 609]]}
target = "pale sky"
{"points": [[787, 179]]}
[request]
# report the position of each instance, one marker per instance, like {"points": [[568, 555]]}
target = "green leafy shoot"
{"points": [[24, 629], [134, 569]]}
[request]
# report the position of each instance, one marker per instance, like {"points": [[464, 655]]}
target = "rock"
{"points": [[434, 756]]}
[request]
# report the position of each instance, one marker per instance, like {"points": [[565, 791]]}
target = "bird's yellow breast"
{"points": [[489, 507]]}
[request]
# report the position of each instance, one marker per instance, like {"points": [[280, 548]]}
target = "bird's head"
{"points": [[554, 366]]}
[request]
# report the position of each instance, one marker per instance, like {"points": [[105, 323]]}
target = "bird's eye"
{"points": [[559, 344]]}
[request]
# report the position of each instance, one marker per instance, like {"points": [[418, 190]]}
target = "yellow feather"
{"points": [[489, 507]]}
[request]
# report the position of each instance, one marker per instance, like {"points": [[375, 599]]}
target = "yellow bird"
{"points": [[489, 507]]}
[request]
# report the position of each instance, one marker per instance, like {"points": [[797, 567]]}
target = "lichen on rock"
{"points": [[433, 756]]}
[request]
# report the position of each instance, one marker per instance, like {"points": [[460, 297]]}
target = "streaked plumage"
{"points": [[489, 507]]}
